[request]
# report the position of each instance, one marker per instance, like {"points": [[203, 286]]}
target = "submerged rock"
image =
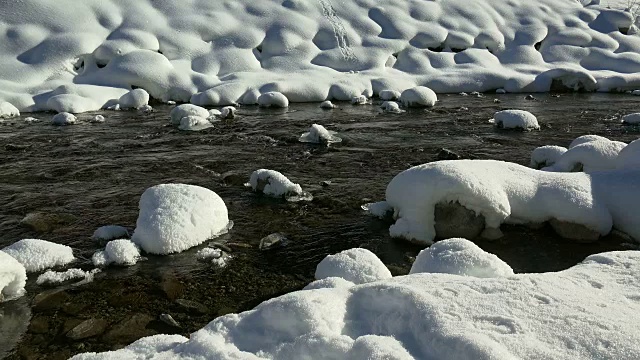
{"points": [[573, 231], [46, 222], [88, 328], [453, 220], [273, 241], [192, 306]]}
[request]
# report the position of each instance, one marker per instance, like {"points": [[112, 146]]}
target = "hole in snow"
{"points": [[457, 50], [624, 30], [538, 45], [100, 64], [437, 49]]}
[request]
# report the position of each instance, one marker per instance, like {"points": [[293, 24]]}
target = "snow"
{"points": [[631, 119], [418, 96], [359, 266], [228, 112], [317, 134], [329, 282], [181, 111], [134, 99], [215, 256], [110, 232], [379, 209], [119, 252], [56, 277], [585, 139], [98, 119], [388, 95], [501, 91], [589, 311], [37, 255], [13, 277], [460, 257], [194, 123], [629, 157], [176, 217], [515, 119], [7, 110], [273, 183], [506, 192], [546, 155], [595, 155], [63, 118], [359, 100], [273, 99], [391, 107], [327, 104]]}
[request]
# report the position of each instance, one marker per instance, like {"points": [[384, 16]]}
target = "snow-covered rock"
{"points": [[228, 112], [631, 119], [37, 255], [216, 257], [176, 217], [13, 277], [389, 95], [359, 100], [419, 96], [7, 110], [565, 315], [459, 257], [134, 99], [546, 156], [273, 183], [185, 110], [327, 105], [98, 119], [595, 155], [273, 99], [194, 123], [317, 134], [63, 118], [358, 266], [57, 277], [585, 139], [110, 232], [391, 107], [119, 252], [515, 119]]}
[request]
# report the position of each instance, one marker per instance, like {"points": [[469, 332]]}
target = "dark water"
{"points": [[91, 175]]}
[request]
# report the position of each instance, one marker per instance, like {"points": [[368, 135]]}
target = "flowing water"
{"points": [[88, 175]]}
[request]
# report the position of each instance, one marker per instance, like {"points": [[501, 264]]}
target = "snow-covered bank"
{"points": [[589, 311], [217, 53]]}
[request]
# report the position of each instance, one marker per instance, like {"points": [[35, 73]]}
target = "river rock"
{"points": [[454, 220], [234, 177], [169, 320], [446, 154], [88, 328], [171, 286], [39, 325], [49, 300], [46, 222], [273, 241], [192, 306], [130, 329], [573, 231]]}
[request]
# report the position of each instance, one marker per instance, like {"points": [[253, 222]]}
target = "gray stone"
{"points": [[169, 320], [454, 220], [573, 231], [39, 325], [192, 306], [234, 177], [88, 328], [273, 241], [49, 300], [130, 329], [446, 154]]}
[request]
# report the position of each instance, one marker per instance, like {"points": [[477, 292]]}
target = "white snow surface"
{"points": [[460, 257], [273, 99], [56, 277], [181, 111], [37, 255], [110, 232], [589, 311], [506, 192], [134, 99], [629, 157], [8, 111], [176, 217], [218, 53], [631, 119], [317, 134], [418, 96], [327, 104], [194, 123], [121, 252], [63, 118], [358, 266], [546, 155], [595, 155], [13, 277], [275, 184], [388, 95], [585, 139], [516, 119]]}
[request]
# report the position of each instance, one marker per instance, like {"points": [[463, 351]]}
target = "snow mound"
{"points": [[506, 192], [273, 183], [595, 155], [273, 99], [194, 123], [631, 119], [57, 277], [585, 139], [388, 95], [119, 252], [7, 110], [110, 232], [358, 266], [629, 157], [329, 283], [515, 119], [419, 96], [327, 105], [176, 217], [181, 111], [319, 135], [13, 277], [359, 100], [216, 256], [134, 99], [63, 118], [391, 107], [37, 255], [460, 257], [546, 156], [98, 119], [565, 315]]}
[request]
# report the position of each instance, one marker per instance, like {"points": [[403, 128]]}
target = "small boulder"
{"points": [[453, 220], [573, 231], [88, 328], [273, 241]]}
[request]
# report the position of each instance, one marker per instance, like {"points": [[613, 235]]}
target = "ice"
{"points": [[459, 257], [506, 192], [194, 123], [317, 134], [176, 217], [120, 252], [63, 118], [590, 311], [273, 183], [391, 107], [7, 110], [37, 255], [185, 110], [273, 99], [546, 156], [56, 277], [418, 96], [595, 155], [358, 266], [134, 99], [110, 232], [631, 119], [13, 277], [515, 119]]}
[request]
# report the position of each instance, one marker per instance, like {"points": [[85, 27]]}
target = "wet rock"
{"points": [[169, 320], [39, 325], [221, 246], [325, 183], [46, 222], [446, 154], [193, 307], [49, 300], [273, 241], [573, 231], [454, 220], [234, 177], [16, 147], [73, 308], [88, 328], [171, 286], [129, 329], [239, 245], [529, 97]]}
